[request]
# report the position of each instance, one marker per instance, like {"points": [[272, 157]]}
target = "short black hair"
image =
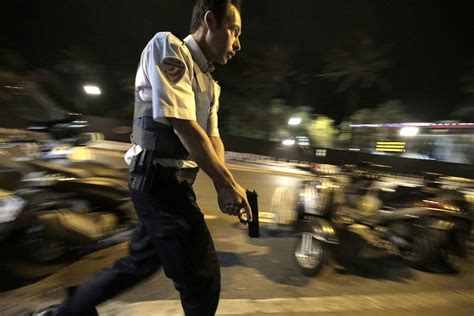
{"points": [[218, 7]]}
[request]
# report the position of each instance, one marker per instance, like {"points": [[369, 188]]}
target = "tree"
{"points": [[466, 112], [322, 132], [251, 82], [357, 68], [391, 111], [262, 121]]}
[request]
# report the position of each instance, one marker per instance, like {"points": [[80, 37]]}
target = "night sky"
{"points": [[429, 42]]}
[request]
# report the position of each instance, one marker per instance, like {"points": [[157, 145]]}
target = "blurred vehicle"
{"points": [[49, 212], [30, 119], [421, 223], [36, 127], [26, 106]]}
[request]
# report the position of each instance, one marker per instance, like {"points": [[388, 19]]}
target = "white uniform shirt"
{"points": [[175, 76]]}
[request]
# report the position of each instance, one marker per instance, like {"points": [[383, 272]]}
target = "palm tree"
{"points": [[358, 68], [465, 112]]}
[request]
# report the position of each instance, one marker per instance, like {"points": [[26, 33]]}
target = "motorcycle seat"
{"points": [[403, 197], [53, 167], [96, 169], [80, 169]]}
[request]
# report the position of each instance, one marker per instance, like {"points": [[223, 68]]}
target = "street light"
{"points": [[288, 142], [409, 131], [92, 90], [294, 121]]}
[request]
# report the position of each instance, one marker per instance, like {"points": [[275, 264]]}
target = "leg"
{"points": [[194, 268], [185, 246], [125, 273]]}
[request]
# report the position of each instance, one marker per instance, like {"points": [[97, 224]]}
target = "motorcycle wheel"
{"points": [[451, 259], [453, 256], [48, 251], [37, 248], [421, 253], [21, 269], [34, 258], [310, 254]]}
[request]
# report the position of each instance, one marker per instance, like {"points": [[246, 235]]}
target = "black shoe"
{"points": [[47, 311]]}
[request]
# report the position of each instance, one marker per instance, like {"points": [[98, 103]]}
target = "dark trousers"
{"points": [[171, 234]]}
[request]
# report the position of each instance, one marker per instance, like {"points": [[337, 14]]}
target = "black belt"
{"points": [[176, 175]]}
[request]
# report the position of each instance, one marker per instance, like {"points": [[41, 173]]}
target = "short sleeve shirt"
{"points": [[168, 76], [175, 76]]}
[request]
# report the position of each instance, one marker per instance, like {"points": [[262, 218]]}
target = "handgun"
{"points": [[252, 198]]}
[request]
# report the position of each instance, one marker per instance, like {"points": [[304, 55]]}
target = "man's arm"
{"points": [[231, 196], [218, 147]]}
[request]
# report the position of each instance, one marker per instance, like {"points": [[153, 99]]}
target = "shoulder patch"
{"points": [[173, 68]]}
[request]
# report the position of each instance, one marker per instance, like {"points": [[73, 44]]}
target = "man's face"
{"points": [[224, 39]]}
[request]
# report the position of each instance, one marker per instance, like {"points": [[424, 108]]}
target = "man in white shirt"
{"points": [[175, 131]]}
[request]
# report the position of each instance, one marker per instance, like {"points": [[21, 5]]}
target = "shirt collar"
{"points": [[198, 55]]}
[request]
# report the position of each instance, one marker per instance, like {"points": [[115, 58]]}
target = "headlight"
{"points": [[315, 196], [10, 206]]}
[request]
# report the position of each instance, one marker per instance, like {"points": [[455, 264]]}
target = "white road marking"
{"points": [[408, 301]]}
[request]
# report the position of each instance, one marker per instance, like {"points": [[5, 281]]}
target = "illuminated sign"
{"points": [[398, 147]]}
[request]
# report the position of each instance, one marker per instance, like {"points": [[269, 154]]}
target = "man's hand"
{"points": [[232, 200]]}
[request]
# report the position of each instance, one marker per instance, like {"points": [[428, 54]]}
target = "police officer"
{"points": [[175, 131]]}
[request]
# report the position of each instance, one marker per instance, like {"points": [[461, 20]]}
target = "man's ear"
{"points": [[210, 20]]}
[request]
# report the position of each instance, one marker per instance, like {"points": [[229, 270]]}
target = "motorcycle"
{"points": [[50, 212], [420, 223]]}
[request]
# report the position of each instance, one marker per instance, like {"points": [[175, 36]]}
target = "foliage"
{"points": [[391, 111], [252, 86], [260, 121], [345, 134], [356, 68], [322, 132]]}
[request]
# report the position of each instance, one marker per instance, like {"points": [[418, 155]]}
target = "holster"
{"points": [[142, 171]]}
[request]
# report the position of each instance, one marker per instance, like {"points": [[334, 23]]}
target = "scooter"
{"points": [[419, 223], [49, 212]]}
